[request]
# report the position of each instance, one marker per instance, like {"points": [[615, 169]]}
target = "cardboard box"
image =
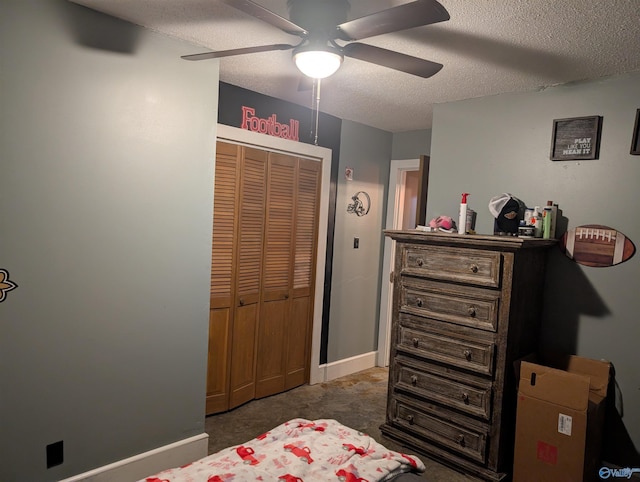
{"points": [[560, 418]]}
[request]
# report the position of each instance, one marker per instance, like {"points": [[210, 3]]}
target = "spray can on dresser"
{"points": [[462, 214]]}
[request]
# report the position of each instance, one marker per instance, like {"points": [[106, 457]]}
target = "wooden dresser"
{"points": [[465, 307]]}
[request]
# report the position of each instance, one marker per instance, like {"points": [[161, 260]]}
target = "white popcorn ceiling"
{"points": [[488, 47]]}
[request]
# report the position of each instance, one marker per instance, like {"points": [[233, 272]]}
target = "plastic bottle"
{"points": [[554, 219], [528, 217], [462, 215], [536, 220], [471, 221], [547, 216]]}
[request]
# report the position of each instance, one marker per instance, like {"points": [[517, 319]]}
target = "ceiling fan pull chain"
{"points": [[317, 109], [314, 87]]}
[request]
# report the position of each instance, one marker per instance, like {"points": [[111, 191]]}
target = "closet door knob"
{"points": [[286, 297], [241, 301]]}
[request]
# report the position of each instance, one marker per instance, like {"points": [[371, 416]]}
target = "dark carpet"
{"points": [[357, 401]]}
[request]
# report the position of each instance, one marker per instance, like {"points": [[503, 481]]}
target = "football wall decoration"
{"points": [[596, 245]]}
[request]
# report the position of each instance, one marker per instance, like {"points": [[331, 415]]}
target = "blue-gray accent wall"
{"points": [[106, 175], [497, 144]]}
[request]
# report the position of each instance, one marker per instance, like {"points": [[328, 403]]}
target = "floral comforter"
{"points": [[299, 451]]}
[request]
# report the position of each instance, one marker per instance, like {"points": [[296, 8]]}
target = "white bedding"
{"points": [[299, 451]]}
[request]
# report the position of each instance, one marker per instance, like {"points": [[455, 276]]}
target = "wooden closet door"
{"points": [[276, 276], [223, 256], [251, 220], [299, 322]]}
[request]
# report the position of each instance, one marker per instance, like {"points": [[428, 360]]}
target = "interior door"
{"points": [[299, 324], [249, 240], [223, 255], [397, 218], [276, 276]]}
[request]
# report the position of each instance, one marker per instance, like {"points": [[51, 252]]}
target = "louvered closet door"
{"points": [[222, 276], [276, 276], [299, 323], [251, 219]]}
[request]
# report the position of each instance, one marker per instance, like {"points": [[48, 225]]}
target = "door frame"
{"points": [[235, 135], [395, 203]]}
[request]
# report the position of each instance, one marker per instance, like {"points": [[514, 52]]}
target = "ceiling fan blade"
{"points": [[402, 17], [242, 51], [268, 16], [393, 60]]}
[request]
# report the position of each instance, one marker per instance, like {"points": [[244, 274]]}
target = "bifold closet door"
{"points": [[223, 255], [262, 274], [276, 275], [300, 320], [249, 240]]}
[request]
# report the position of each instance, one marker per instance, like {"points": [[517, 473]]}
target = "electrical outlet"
{"points": [[356, 243], [55, 454]]}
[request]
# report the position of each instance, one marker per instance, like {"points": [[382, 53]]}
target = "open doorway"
{"points": [[402, 204]]}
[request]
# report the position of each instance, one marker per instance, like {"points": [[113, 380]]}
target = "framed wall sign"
{"points": [[576, 138], [635, 140]]}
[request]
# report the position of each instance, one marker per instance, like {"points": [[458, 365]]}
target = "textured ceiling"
{"points": [[488, 47]]}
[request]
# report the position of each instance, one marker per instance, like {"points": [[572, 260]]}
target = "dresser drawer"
{"points": [[461, 353], [451, 393], [461, 265], [476, 308], [458, 439]]}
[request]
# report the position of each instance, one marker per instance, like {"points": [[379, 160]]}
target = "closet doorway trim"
{"points": [[235, 135]]}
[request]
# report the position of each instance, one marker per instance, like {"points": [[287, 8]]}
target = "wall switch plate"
{"points": [[356, 243]]}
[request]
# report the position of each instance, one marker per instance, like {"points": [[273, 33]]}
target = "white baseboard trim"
{"points": [[347, 366], [318, 374], [149, 463]]}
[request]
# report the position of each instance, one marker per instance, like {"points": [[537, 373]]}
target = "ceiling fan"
{"points": [[323, 28]]}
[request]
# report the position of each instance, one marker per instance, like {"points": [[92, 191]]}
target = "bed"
{"points": [[300, 450]]}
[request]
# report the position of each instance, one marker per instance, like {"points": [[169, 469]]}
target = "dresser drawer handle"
{"points": [[465, 397], [410, 419], [472, 311], [416, 342], [420, 262], [418, 302], [474, 268], [467, 354], [414, 380], [460, 440]]}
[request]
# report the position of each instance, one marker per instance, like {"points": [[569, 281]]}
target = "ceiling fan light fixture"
{"points": [[318, 63]]}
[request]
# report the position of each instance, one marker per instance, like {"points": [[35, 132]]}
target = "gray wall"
{"points": [[105, 207], [353, 319], [498, 144], [411, 144]]}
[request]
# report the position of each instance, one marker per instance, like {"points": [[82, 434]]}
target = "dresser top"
{"points": [[510, 243]]}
